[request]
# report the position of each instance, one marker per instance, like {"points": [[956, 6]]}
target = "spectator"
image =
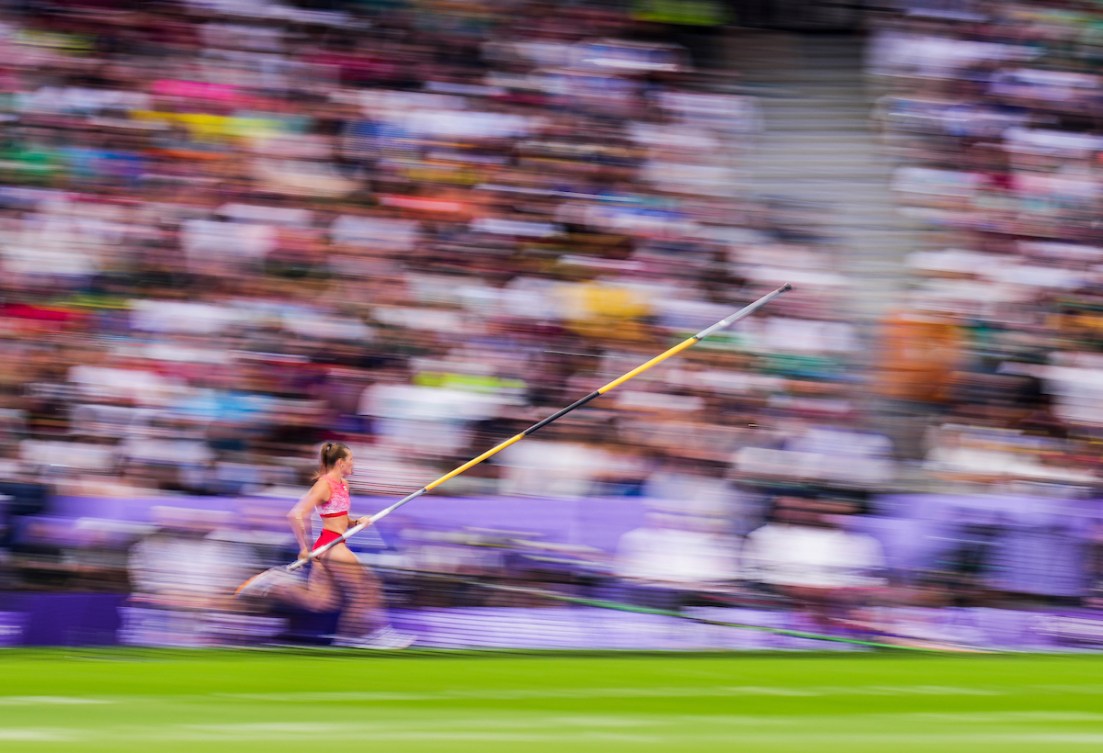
{"points": [[805, 554]]}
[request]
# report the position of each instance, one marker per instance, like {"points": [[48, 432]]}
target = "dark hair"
{"points": [[331, 452]]}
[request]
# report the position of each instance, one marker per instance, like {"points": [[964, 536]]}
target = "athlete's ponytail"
{"points": [[330, 453]]}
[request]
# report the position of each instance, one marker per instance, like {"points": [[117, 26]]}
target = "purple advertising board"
{"points": [[101, 619]]}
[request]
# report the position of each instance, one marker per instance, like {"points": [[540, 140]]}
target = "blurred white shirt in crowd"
{"points": [[662, 552], [789, 555]]}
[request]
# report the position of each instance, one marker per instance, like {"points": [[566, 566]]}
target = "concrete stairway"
{"points": [[819, 148]]}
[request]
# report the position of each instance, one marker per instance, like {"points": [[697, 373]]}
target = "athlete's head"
{"points": [[335, 455]]}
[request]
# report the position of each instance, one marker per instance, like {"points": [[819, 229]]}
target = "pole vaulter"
{"points": [[684, 345]]}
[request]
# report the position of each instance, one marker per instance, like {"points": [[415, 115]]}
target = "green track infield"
{"points": [[272, 701]]}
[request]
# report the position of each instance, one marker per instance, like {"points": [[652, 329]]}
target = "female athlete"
{"points": [[337, 577]]}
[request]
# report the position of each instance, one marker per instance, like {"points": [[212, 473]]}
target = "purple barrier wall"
{"points": [[591, 522], [1035, 545], [94, 619], [61, 619], [12, 628], [1038, 545]]}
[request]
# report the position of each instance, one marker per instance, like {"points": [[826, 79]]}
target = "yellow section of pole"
{"points": [[475, 461], [687, 343]]}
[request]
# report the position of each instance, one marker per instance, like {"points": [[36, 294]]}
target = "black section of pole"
{"points": [[559, 414]]}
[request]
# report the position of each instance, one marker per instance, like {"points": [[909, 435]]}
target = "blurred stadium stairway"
{"points": [[819, 147]]}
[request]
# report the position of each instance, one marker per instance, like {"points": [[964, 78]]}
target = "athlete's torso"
{"points": [[336, 509]]}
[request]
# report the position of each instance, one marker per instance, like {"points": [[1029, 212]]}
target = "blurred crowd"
{"points": [[230, 230], [992, 114]]}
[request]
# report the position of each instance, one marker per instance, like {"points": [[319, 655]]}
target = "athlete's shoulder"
{"points": [[322, 487]]}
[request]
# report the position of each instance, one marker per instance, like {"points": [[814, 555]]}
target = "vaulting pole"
{"points": [[684, 345]]}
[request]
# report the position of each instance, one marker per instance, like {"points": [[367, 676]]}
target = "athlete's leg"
{"points": [[360, 589]]}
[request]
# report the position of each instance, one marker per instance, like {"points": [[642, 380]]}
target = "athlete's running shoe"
{"points": [[386, 638]]}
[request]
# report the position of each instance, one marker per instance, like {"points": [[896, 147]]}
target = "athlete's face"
{"points": [[345, 466]]}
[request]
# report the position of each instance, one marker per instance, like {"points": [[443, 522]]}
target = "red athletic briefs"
{"points": [[325, 537]]}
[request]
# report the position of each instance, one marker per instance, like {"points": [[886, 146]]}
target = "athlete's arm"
{"points": [[299, 516]]}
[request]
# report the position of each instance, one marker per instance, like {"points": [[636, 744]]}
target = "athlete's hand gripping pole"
{"points": [[685, 344]]}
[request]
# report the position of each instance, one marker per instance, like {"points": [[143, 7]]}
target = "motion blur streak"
{"points": [[233, 229]]}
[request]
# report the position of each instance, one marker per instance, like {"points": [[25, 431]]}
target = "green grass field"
{"points": [[271, 701]]}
